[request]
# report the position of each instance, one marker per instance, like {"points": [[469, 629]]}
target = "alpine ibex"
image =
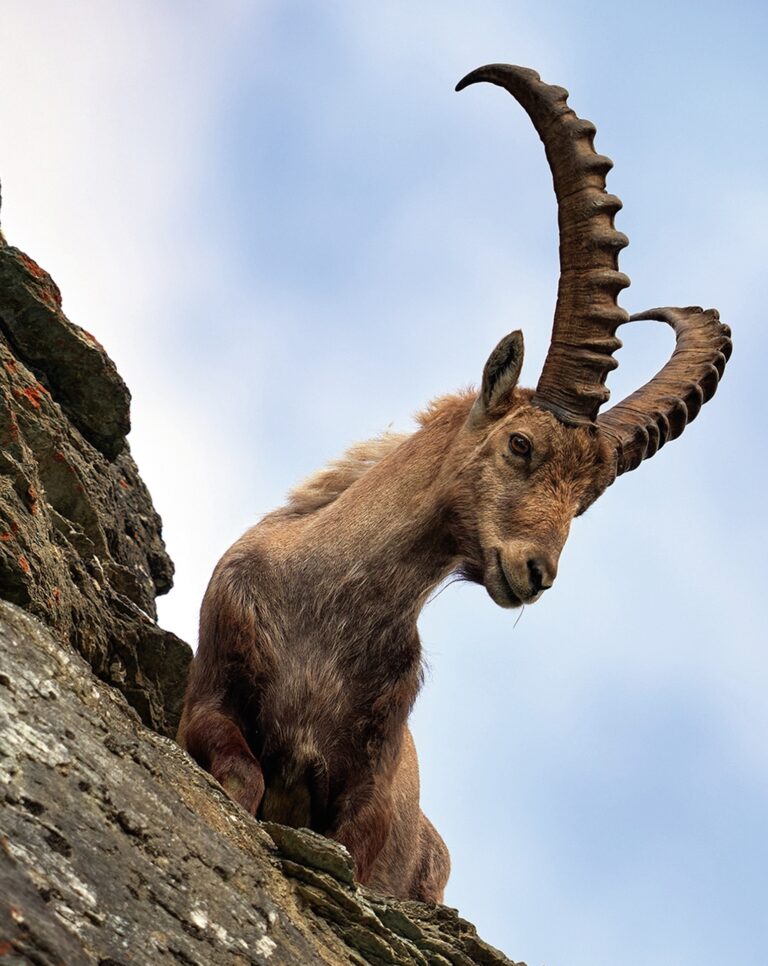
{"points": [[309, 658]]}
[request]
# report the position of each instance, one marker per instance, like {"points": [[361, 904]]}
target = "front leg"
{"points": [[364, 830], [433, 864], [214, 739]]}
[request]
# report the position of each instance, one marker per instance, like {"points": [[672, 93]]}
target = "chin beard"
{"points": [[472, 572]]}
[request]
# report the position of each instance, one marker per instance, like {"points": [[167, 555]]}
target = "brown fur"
{"points": [[309, 658]]}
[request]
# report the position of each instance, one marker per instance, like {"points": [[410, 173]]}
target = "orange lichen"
{"points": [[92, 339], [125, 485], [48, 290], [6, 537], [33, 394], [31, 266], [50, 293], [24, 564], [32, 497]]}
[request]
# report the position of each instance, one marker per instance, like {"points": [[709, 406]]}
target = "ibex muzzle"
{"points": [[309, 658], [521, 574]]}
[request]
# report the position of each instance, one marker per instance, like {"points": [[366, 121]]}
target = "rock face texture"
{"points": [[80, 543], [115, 848]]}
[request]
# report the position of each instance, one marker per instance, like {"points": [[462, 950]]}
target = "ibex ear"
{"points": [[502, 370]]}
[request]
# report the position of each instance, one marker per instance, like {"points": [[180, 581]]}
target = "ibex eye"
{"points": [[519, 445]]}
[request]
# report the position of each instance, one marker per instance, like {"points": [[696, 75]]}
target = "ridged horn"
{"points": [[659, 411], [580, 356]]}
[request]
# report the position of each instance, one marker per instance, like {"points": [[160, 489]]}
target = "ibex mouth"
{"points": [[500, 588]]}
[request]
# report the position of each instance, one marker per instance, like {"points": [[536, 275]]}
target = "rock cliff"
{"points": [[80, 544], [115, 847]]}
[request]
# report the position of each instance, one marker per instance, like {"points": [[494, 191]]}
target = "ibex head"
{"points": [[529, 461]]}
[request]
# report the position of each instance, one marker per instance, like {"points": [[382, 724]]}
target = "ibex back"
{"points": [[309, 659]]}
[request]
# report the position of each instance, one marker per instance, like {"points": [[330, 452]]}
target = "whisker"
{"points": [[457, 579]]}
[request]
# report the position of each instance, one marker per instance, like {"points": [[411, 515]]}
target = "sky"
{"points": [[290, 233]]}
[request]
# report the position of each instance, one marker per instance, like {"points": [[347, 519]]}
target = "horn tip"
{"points": [[495, 74]]}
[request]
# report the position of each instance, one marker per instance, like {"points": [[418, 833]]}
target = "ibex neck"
{"points": [[385, 543]]}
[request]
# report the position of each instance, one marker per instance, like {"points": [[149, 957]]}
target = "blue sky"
{"points": [[290, 233]]}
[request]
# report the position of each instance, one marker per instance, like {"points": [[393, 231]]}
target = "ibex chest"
{"points": [[340, 688]]}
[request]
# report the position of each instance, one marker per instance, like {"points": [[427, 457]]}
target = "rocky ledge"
{"points": [[115, 848]]}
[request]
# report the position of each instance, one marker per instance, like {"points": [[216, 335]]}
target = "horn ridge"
{"points": [[572, 382], [660, 410]]}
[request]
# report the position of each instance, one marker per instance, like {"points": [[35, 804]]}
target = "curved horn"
{"points": [[640, 424], [572, 382]]}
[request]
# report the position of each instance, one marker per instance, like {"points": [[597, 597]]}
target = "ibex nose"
{"points": [[542, 572]]}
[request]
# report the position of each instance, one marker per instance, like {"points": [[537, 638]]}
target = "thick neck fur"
{"points": [[375, 552]]}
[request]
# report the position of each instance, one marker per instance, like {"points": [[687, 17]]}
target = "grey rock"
{"points": [[307, 847], [72, 363], [80, 542], [116, 848]]}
